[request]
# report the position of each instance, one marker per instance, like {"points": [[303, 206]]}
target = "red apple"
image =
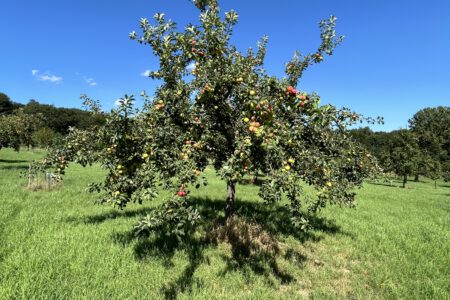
{"points": [[291, 91]]}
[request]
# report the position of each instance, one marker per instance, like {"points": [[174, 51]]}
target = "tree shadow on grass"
{"points": [[163, 249], [397, 183], [383, 184], [13, 161], [252, 181], [14, 167], [110, 215], [252, 240]]}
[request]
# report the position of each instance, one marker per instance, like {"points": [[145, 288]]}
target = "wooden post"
{"points": [[231, 191], [29, 176]]}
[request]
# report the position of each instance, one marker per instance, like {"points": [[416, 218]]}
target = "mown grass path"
{"points": [[60, 245]]}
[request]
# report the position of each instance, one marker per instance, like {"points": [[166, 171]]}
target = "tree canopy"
{"points": [[423, 149], [60, 119], [20, 122], [17, 129], [7, 106], [432, 127], [225, 112]]}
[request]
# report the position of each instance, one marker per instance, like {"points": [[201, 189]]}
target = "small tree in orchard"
{"points": [[10, 136], [16, 129], [219, 107], [433, 170], [404, 155], [432, 127], [45, 137]]}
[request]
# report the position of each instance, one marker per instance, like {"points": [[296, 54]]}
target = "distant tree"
{"points": [[45, 137], [10, 136], [445, 167], [432, 127], [61, 119], [366, 137], [404, 154], [433, 170], [6, 105], [17, 129], [424, 164], [379, 144]]}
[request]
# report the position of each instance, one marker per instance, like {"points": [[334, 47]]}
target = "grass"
{"points": [[59, 245]]}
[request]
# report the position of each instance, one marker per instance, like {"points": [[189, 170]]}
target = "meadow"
{"points": [[59, 244]]}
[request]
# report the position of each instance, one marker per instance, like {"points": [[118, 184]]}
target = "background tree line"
{"points": [[422, 149], [36, 124]]}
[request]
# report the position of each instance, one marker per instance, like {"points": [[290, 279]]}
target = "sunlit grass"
{"points": [[60, 245]]}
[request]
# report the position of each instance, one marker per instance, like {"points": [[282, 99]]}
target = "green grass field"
{"points": [[60, 245]]}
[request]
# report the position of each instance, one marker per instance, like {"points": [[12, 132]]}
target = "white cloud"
{"points": [[46, 77], [191, 66], [51, 78], [90, 81], [146, 73]]}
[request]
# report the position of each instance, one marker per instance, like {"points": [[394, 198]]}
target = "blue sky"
{"points": [[394, 59]]}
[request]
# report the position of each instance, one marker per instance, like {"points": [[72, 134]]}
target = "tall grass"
{"points": [[58, 244]]}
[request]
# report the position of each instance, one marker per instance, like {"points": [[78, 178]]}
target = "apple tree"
{"points": [[17, 129], [432, 127], [404, 157], [218, 107]]}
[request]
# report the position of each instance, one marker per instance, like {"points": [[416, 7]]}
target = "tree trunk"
{"points": [[435, 185], [255, 178], [416, 178], [405, 179], [29, 176], [231, 191]]}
